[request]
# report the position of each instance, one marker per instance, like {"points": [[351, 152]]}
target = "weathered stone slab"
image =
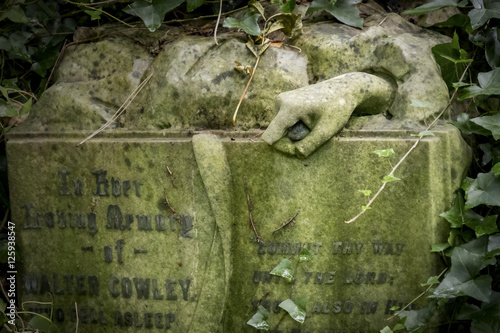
{"points": [[171, 221], [95, 228]]}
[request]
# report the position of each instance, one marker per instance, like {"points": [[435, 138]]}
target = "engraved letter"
{"points": [[170, 290], [144, 222], [126, 287], [187, 226], [185, 288], [142, 288], [111, 286], [93, 285], [92, 223], [114, 217], [116, 189], [64, 178], [100, 179]]}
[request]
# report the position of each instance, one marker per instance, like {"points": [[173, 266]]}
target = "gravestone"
{"points": [[172, 220]]}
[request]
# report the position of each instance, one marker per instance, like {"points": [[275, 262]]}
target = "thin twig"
{"points": [[102, 11], [168, 203], [76, 310], [288, 223], [171, 174], [217, 24], [250, 209], [245, 91], [204, 17], [452, 98], [422, 294], [122, 108]]}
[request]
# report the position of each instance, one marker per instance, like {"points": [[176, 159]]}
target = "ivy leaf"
{"points": [[466, 183], [448, 57], [430, 281], [7, 109], [40, 323], [464, 124], [289, 24], [491, 40], [487, 319], [287, 6], [494, 244], [384, 152], [193, 4], [326, 5], [152, 12], [296, 310], [94, 14], [343, 10], [439, 247], [15, 14], [489, 83], [460, 84], [26, 108], [455, 216], [256, 7], [305, 255], [483, 11], [461, 21], [433, 6], [496, 169], [491, 123], [416, 320], [482, 225], [487, 153], [485, 189], [462, 278], [248, 23], [398, 327], [365, 192], [284, 270], [259, 319], [18, 41], [389, 178]]}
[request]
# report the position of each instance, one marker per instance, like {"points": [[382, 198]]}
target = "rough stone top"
{"points": [[194, 84]]}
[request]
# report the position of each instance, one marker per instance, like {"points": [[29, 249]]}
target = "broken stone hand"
{"points": [[309, 116]]}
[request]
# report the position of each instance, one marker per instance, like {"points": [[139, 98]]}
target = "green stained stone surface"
{"points": [[198, 258], [168, 220]]}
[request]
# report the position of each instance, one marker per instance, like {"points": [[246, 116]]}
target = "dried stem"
{"points": [[245, 91], [122, 108], [413, 301], [77, 320], [288, 223], [204, 17], [250, 209], [452, 98], [217, 24], [80, 4]]}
